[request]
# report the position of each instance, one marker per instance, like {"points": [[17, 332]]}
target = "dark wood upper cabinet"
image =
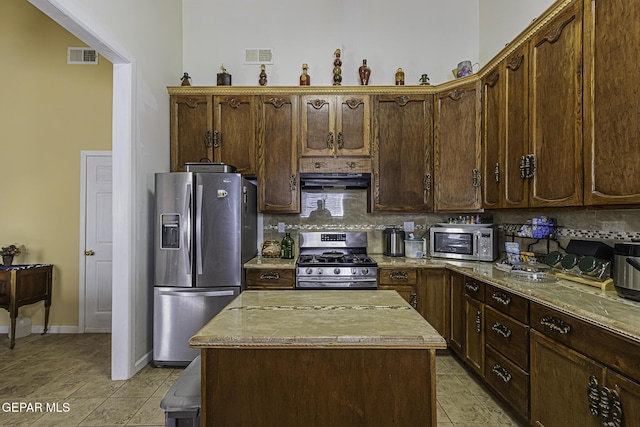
{"points": [[555, 110], [402, 153], [191, 130], [612, 103], [456, 152], [277, 135], [234, 135]]}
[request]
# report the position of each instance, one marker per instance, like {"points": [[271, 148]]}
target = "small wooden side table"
{"points": [[23, 285]]}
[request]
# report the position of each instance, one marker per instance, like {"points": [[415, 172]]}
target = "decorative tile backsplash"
{"points": [[347, 210]]}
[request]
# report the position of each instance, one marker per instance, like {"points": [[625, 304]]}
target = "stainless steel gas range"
{"points": [[335, 260]]}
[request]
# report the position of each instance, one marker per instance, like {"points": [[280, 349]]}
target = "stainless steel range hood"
{"points": [[335, 180]]}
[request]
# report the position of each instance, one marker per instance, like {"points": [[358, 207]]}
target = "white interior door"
{"points": [[97, 246]]}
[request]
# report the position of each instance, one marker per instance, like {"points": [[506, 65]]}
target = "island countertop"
{"points": [[331, 318]]}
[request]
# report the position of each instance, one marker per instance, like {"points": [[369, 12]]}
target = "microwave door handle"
{"points": [[199, 229], [186, 229], [476, 251]]}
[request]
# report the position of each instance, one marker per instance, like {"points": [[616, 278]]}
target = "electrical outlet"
{"points": [[409, 226], [281, 227]]}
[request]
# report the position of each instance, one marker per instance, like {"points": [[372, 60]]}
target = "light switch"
{"points": [[409, 226], [281, 227]]}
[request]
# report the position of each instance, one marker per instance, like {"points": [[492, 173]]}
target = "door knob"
{"points": [[89, 253]]}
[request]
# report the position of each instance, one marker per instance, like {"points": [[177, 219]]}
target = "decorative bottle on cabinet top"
{"points": [[364, 72], [399, 77], [305, 79], [337, 69]]}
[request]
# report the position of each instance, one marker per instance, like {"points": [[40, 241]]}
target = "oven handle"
{"points": [[344, 284], [328, 279]]}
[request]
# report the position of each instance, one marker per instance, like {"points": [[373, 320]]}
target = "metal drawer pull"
{"points": [[501, 298], [413, 300], [501, 373], [270, 275], [473, 287], [610, 408], [593, 396], [479, 321], [555, 324], [399, 275], [501, 329]]}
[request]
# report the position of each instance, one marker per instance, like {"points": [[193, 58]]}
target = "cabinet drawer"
{"points": [[270, 279], [474, 288], [508, 303], [508, 380], [604, 346], [335, 164], [397, 276], [508, 336]]}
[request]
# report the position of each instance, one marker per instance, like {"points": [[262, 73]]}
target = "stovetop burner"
{"points": [[336, 258]]}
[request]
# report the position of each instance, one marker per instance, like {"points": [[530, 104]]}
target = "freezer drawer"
{"points": [[178, 313]]}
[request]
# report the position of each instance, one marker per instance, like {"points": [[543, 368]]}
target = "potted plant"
{"points": [[8, 252]]}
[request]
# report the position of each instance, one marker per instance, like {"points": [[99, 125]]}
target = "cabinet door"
{"points": [[434, 299], [353, 125], [559, 380], [402, 163], [317, 123], [234, 138], [627, 394], [612, 103], [555, 110], [516, 129], [493, 128], [278, 180], [456, 151], [191, 130], [456, 342], [474, 334]]}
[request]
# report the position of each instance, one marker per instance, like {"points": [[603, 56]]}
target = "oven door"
{"points": [[453, 243], [345, 283]]}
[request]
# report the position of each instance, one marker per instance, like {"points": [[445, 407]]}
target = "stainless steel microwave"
{"points": [[466, 242]]}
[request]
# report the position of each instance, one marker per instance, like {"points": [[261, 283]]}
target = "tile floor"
{"points": [[71, 374]]}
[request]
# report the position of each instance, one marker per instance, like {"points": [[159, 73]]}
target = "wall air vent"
{"points": [[258, 56], [81, 55]]}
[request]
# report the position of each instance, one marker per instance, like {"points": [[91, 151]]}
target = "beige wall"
{"points": [[50, 112]]}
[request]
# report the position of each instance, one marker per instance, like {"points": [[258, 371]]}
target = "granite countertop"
{"points": [[264, 262], [602, 308], [333, 319]]}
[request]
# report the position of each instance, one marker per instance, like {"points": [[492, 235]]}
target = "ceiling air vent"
{"points": [[258, 56], [81, 55]]}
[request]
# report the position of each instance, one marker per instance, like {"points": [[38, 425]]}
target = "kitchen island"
{"points": [[318, 358]]}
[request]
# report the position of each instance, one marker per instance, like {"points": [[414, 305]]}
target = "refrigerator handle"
{"points": [[225, 293], [186, 230], [199, 194]]}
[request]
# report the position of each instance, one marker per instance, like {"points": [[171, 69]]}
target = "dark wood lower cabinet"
{"points": [[269, 387], [559, 381], [434, 299], [474, 334], [456, 341], [508, 380], [628, 393]]}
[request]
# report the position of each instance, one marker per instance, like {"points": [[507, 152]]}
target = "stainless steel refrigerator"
{"points": [[206, 229]]}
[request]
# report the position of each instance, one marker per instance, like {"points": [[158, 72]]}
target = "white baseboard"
{"points": [[143, 361], [37, 329]]}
